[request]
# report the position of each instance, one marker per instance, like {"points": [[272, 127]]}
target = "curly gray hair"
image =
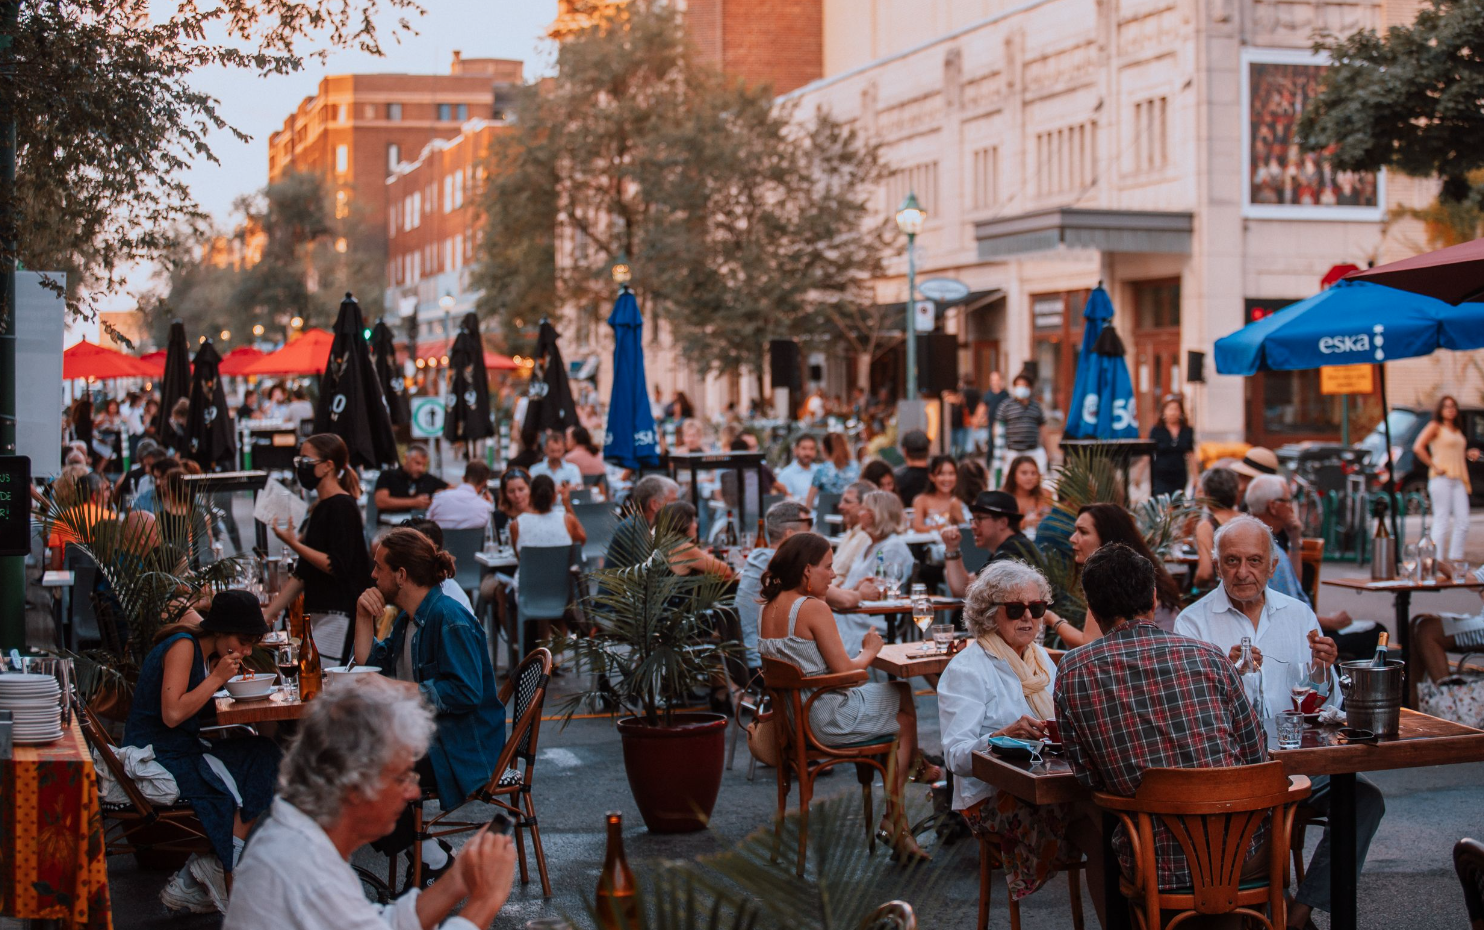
{"points": [[350, 734], [997, 582]]}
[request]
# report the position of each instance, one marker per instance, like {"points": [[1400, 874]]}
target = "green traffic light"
{"points": [[366, 333]]}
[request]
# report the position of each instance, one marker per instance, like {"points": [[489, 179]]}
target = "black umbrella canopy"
{"points": [[384, 359], [351, 402], [468, 399], [177, 381], [213, 441], [551, 404]]}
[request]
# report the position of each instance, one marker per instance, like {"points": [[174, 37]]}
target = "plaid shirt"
{"points": [[1143, 698]]}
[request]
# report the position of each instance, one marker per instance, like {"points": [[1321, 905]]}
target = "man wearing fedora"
{"points": [[995, 522]]}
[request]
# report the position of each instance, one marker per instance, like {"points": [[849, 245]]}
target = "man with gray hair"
{"points": [[1285, 630], [1270, 500], [648, 497], [784, 519], [344, 783]]}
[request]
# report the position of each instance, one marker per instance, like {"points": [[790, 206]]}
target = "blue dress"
{"points": [[252, 761]]}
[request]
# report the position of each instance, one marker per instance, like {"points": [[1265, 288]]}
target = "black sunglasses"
{"points": [[1015, 609]]}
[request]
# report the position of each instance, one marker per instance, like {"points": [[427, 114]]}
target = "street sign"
{"points": [[427, 417], [1346, 379], [943, 290], [924, 316], [15, 505]]}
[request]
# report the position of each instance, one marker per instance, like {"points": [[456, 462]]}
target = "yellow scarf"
{"points": [[855, 542], [1033, 676]]}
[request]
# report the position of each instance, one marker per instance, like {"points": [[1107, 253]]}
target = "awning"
{"points": [[972, 301], [437, 348], [1071, 228]]}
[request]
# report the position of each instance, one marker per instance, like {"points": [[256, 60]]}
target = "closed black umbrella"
{"points": [[384, 359], [550, 405], [177, 381], [468, 399], [351, 402], [212, 440]]}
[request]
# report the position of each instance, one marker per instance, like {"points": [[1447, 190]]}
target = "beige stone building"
{"points": [[1144, 144]]}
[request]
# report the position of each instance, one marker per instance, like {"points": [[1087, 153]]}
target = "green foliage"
{"points": [[107, 120], [1408, 100], [652, 644], [726, 208], [744, 887]]}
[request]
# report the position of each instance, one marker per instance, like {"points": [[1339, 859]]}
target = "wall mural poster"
{"points": [[1282, 180]]}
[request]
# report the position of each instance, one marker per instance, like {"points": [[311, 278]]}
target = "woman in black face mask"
{"points": [[334, 564]]}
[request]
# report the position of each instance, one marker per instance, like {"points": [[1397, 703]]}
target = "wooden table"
{"points": [[1401, 598], [277, 707], [905, 660], [1421, 741], [901, 607]]}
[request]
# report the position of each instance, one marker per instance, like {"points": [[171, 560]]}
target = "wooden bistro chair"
{"points": [[798, 746], [1213, 814], [1468, 861], [1311, 560], [510, 785], [989, 860]]}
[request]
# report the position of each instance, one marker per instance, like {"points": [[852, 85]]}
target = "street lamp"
{"points": [[257, 330], [226, 335], [622, 274], [297, 322], [910, 217]]}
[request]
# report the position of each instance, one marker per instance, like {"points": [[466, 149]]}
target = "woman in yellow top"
{"points": [[1443, 448]]}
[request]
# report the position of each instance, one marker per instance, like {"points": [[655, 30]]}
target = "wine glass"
{"points": [[287, 659], [893, 580], [1409, 561]]}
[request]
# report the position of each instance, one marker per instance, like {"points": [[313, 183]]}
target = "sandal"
{"points": [[924, 771], [903, 846]]}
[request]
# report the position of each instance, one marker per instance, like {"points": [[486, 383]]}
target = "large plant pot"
{"points": [[675, 771]]}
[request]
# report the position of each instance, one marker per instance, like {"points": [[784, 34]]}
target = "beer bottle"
{"points": [[618, 895], [311, 676]]}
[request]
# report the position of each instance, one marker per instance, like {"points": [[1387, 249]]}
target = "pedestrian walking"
{"points": [[1023, 419], [1443, 448]]}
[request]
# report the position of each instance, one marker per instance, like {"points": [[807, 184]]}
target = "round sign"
{"points": [[427, 417], [943, 289]]}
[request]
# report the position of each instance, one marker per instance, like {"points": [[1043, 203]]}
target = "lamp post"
{"points": [[622, 274], [910, 217]]}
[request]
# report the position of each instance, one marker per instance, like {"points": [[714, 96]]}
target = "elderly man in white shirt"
{"points": [[344, 783], [468, 506], [1286, 637]]}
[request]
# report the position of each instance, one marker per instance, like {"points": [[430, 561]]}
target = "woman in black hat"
{"points": [[232, 782]]}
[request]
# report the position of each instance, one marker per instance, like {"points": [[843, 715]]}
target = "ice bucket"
{"points": [[1373, 696]]}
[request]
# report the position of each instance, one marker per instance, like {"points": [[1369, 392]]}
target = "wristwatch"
{"points": [[953, 556]]}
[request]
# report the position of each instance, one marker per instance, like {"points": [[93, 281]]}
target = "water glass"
{"points": [[1290, 729], [1409, 561], [942, 635], [1460, 569]]}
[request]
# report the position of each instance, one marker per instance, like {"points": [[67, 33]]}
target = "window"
{"points": [[458, 251], [342, 205], [445, 112], [1151, 134], [342, 159], [393, 156], [407, 213], [417, 209], [447, 256], [341, 112], [986, 177], [394, 111], [370, 110], [1066, 159], [391, 219], [463, 112], [1157, 304], [458, 189], [417, 267], [447, 192]]}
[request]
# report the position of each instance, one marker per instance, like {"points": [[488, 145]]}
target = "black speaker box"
{"points": [[783, 360], [1195, 367], [937, 362]]}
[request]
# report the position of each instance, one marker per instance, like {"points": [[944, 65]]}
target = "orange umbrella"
{"points": [[90, 360], [236, 361], [306, 355]]}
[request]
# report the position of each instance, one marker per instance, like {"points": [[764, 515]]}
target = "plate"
{"points": [[36, 740], [254, 698]]}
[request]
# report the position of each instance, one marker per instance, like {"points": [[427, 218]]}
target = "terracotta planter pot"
{"points": [[675, 772]]}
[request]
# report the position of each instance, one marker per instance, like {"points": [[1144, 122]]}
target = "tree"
{"points": [[106, 119], [741, 223], [1409, 100]]}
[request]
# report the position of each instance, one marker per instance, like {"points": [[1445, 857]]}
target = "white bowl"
{"points": [[259, 685], [339, 672]]}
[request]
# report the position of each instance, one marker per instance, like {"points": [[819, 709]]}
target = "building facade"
{"points": [[1147, 145]]}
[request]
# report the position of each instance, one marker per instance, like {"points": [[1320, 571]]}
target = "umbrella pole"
{"points": [[1396, 519]]}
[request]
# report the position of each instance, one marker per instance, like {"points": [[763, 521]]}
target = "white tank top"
{"points": [[542, 529]]}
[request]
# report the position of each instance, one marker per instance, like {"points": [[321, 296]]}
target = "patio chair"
{"points": [[1311, 561], [745, 686], [509, 787], [824, 505], [990, 859], [798, 746], [543, 589], [462, 545], [1468, 861], [599, 519], [1213, 814]]}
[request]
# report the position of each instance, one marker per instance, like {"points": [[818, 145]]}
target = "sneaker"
{"points": [[184, 893], [208, 871]]}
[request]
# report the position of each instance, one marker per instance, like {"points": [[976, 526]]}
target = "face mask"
{"points": [[1020, 392], [306, 476]]}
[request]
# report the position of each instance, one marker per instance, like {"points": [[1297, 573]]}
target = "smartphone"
{"points": [[502, 824]]}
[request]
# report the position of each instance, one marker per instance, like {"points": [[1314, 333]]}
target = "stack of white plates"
{"points": [[33, 704]]}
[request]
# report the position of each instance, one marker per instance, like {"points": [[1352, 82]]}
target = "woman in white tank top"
{"points": [[543, 525]]}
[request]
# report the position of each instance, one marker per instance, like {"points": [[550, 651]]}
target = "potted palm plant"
{"points": [[653, 644]]}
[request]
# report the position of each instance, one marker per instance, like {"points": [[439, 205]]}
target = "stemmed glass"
{"points": [[893, 580]]}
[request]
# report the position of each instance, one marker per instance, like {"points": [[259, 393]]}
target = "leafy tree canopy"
{"points": [[1411, 100]]}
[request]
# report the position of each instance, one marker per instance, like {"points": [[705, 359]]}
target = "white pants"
{"points": [[1450, 504]]}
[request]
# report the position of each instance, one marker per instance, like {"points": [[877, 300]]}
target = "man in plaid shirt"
{"points": [[1141, 698]]}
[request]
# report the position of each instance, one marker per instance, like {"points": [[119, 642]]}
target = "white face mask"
{"points": [[1020, 392]]}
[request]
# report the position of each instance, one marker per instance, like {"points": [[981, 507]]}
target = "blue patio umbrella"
{"points": [[1102, 405], [632, 440]]}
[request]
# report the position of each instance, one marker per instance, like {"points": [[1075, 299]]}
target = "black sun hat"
{"points": [[235, 612]]}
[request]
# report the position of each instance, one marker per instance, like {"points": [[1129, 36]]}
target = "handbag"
{"points": [[762, 739]]}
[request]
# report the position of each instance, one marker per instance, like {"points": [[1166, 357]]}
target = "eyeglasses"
{"points": [[1016, 609], [302, 460], [408, 779]]}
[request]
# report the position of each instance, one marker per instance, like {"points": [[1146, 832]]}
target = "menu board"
{"points": [[15, 505]]}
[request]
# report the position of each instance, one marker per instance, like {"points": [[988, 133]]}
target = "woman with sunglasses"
{"points": [[334, 564], [1001, 685]]}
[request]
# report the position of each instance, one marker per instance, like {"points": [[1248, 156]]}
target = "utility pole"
{"points": [[12, 568]]}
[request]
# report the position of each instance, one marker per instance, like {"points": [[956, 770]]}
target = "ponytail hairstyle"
{"points": [[785, 570], [426, 565], [332, 449]]}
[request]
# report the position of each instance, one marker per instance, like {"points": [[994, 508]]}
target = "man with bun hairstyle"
{"points": [[436, 645]]}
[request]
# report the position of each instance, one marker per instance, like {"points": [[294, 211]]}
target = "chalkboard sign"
{"points": [[15, 505]]}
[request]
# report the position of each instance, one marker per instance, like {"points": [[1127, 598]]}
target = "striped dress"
{"points": [[842, 717]]}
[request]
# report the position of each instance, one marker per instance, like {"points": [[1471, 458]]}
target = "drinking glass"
{"points": [[1460, 569], [893, 580], [1409, 561], [942, 635], [287, 660], [1290, 729]]}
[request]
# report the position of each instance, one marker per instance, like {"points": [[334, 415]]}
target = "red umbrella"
{"points": [[306, 355], [90, 360], [155, 362], [1454, 274], [236, 361], [493, 361]]}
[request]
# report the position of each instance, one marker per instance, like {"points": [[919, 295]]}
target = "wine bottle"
{"points": [[617, 903], [1251, 675], [1380, 660], [296, 618], [729, 533], [311, 676]]}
